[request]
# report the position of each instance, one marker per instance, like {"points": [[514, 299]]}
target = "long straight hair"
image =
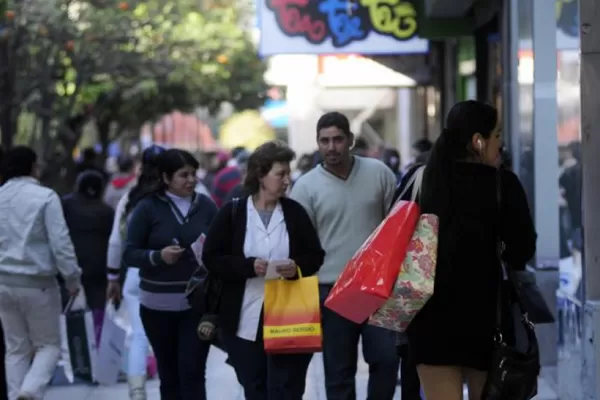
{"points": [[464, 120]]}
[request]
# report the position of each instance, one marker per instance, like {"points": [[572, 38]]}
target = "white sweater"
{"points": [[34, 239], [345, 212]]}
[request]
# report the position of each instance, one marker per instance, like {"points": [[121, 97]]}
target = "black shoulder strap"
{"points": [[234, 207], [509, 276]]}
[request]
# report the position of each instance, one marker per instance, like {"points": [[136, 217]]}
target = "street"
{"points": [[222, 384]]}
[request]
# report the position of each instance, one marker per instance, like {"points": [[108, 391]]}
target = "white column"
{"points": [[546, 169], [545, 132], [404, 112]]}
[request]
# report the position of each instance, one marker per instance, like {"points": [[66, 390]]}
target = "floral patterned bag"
{"points": [[414, 286]]}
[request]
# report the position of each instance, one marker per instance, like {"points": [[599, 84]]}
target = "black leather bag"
{"points": [[531, 297], [203, 290], [514, 373]]}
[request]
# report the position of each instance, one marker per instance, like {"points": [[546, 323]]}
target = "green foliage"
{"points": [[133, 60]]}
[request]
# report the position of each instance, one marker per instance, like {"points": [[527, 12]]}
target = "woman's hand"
{"points": [[171, 254], [260, 267], [288, 271]]}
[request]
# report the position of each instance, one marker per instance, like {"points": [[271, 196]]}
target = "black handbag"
{"points": [[513, 374], [203, 291], [533, 302]]}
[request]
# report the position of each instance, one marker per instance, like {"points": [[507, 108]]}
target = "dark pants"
{"points": [[3, 388], [409, 378], [340, 355], [266, 376], [180, 355]]}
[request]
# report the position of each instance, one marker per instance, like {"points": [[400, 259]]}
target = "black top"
{"points": [[90, 224], [157, 223], [456, 327], [223, 253]]}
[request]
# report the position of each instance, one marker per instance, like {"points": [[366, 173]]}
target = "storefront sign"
{"points": [[339, 26]]}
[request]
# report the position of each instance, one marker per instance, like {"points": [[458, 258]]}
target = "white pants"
{"points": [[138, 351], [30, 318]]}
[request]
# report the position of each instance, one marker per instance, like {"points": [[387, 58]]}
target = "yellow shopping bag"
{"points": [[292, 316]]}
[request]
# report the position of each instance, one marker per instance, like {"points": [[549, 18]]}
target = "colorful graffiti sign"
{"points": [[344, 21]]}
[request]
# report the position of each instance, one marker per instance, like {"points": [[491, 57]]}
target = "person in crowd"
{"points": [[347, 197], [138, 368], [361, 147], [89, 220], [421, 146], [162, 228], [391, 158], [216, 163], [34, 248], [460, 186], [122, 182], [570, 186], [242, 163], [3, 388], [225, 181], [266, 226], [305, 164], [90, 161]]}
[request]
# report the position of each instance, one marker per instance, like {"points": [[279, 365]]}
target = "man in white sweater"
{"points": [[346, 198], [35, 246]]}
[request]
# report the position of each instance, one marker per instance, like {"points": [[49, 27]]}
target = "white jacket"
{"points": [[34, 239]]}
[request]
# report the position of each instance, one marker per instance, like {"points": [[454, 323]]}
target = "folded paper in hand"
{"points": [[272, 269], [197, 248]]}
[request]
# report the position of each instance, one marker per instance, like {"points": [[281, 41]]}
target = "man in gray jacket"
{"points": [[34, 247]]}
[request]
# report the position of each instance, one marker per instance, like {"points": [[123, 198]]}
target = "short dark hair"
{"points": [[422, 145], [20, 161], [88, 154], [90, 184], [261, 161], [126, 164], [335, 119]]}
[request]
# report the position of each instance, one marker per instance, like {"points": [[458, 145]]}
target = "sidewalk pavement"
{"points": [[222, 384]]}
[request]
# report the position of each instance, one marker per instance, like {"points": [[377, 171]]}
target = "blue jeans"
{"points": [[266, 376], [180, 355], [340, 356]]}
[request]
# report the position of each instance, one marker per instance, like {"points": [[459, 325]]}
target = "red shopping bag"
{"points": [[367, 281]]}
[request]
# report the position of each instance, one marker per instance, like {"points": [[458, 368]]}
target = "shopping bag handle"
{"points": [[415, 181], [69, 304]]}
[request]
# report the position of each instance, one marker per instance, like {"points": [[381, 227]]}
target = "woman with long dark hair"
{"points": [[452, 338], [137, 358], [162, 229]]}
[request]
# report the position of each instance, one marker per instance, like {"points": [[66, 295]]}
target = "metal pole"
{"points": [[590, 124]]}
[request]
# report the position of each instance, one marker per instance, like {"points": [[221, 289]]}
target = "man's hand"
{"points": [[171, 254], [113, 291], [260, 267], [288, 271]]}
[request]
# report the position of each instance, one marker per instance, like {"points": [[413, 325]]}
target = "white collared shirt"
{"points": [[270, 243]]}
